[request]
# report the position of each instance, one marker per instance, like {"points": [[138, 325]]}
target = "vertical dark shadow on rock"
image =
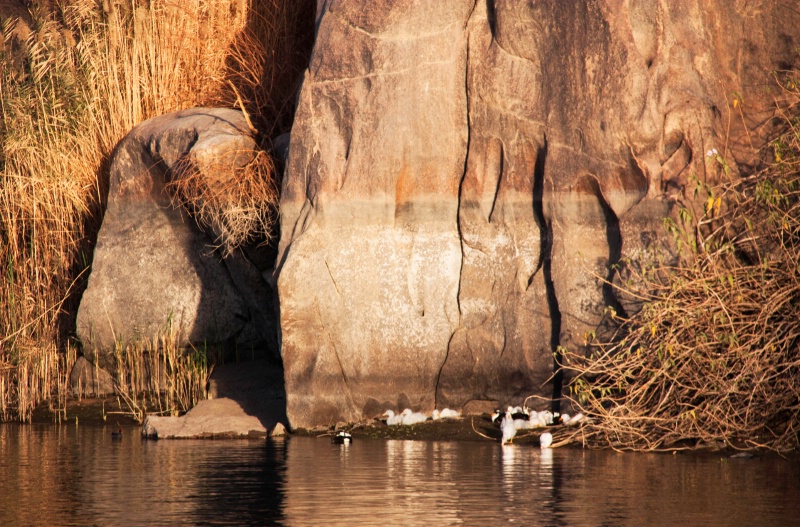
{"points": [[614, 237], [491, 17], [276, 42], [257, 385], [545, 250]]}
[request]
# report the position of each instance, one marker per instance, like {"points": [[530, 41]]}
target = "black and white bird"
{"points": [[516, 413], [342, 438]]}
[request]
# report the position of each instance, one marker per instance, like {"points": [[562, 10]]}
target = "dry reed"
{"points": [[71, 86], [713, 357], [157, 376]]}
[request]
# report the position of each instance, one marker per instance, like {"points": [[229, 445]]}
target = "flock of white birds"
{"points": [[512, 420], [407, 417]]}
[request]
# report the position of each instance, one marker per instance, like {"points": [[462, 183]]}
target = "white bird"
{"points": [[522, 424], [392, 419], [545, 440], [447, 413], [537, 420], [572, 421], [411, 418], [508, 428]]}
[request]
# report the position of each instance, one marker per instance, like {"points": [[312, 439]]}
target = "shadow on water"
{"points": [[258, 475]]}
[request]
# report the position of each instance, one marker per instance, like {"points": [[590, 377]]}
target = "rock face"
{"points": [[463, 176], [87, 379], [152, 265], [370, 275]]}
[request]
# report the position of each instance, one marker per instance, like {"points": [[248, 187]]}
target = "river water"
{"points": [[68, 475]]}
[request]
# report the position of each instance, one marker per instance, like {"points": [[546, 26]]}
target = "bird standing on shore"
{"points": [[412, 418], [508, 428], [392, 419]]}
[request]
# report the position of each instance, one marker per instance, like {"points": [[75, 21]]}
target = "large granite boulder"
{"points": [[370, 246], [153, 266], [464, 175]]}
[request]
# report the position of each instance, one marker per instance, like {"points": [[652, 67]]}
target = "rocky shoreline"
{"points": [[470, 428], [476, 428]]}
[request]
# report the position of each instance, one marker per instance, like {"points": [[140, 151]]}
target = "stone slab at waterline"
{"points": [[245, 399], [152, 264], [464, 175], [211, 418]]}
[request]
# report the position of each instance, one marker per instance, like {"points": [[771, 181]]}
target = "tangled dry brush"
{"points": [[713, 357]]}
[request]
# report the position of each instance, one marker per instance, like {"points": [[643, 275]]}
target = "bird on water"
{"points": [[342, 438], [117, 434]]}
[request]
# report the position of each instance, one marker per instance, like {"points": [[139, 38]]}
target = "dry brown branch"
{"points": [[713, 357], [472, 422]]}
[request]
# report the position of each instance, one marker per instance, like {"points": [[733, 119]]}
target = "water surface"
{"points": [[68, 475]]}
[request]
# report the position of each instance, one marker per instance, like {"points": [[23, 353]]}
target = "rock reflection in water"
{"points": [[69, 475], [420, 483], [427, 483]]}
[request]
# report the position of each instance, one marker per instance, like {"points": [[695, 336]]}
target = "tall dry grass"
{"points": [[157, 376], [71, 86]]}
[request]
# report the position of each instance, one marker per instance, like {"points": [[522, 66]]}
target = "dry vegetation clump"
{"points": [[73, 82], [236, 201], [713, 357]]}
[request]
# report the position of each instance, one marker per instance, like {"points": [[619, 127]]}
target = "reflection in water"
{"points": [[66, 475]]}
